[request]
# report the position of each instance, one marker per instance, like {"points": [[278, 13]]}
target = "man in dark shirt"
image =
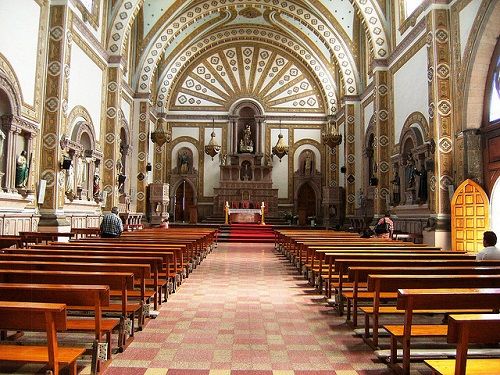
{"points": [[111, 225]]}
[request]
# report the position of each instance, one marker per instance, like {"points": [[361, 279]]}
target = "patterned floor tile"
{"points": [[245, 311]]}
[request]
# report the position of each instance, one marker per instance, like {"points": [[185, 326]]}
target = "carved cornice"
{"points": [[408, 40], [16, 123]]}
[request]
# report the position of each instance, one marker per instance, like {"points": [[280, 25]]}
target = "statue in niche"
{"points": [[246, 171], [223, 159], [81, 172], [396, 184], [70, 180], [96, 189], [308, 163], [2, 141], [422, 184], [246, 143], [410, 172], [22, 170], [183, 162]]}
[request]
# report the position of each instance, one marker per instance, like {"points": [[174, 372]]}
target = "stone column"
{"points": [[111, 141], [440, 118], [382, 141], [56, 101], [142, 154], [350, 158]]}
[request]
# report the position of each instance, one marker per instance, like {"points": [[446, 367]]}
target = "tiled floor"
{"points": [[245, 311]]}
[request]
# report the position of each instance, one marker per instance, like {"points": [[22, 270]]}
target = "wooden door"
{"points": [[184, 199], [469, 217], [306, 202]]}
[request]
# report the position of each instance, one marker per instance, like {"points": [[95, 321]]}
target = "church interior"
{"points": [[247, 145]]}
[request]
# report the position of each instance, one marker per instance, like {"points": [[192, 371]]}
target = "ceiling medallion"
{"points": [[250, 12]]}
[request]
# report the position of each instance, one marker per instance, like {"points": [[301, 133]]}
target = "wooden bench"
{"points": [[477, 294], [122, 282], [464, 330], [94, 296], [140, 271], [359, 276], [31, 316]]}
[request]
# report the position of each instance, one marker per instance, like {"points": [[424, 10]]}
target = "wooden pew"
{"points": [[31, 316], [140, 271], [332, 256], [156, 263], [64, 250], [464, 330], [378, 284], [94, 296], [359, 276], [422, 299], [462, 292], [122, 282]]}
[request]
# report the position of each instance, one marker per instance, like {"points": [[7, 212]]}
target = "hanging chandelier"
{"points": [[281, 148], [162, 133], [212, 148], [331, 136]]}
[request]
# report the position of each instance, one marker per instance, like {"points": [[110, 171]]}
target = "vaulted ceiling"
{"points": [[288, 54]]}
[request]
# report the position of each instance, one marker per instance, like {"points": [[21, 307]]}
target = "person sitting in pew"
{"points": [[384, 227], [111, 226], [490, 251]]}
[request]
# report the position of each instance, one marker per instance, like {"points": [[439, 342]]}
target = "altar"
{"points": [[245, 215]]}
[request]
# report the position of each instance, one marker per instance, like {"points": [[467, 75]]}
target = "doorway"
{"points": [[306, 206], [184, 199], [495, 207]]}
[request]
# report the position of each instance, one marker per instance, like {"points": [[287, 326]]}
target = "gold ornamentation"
{"points": [[250, 12]]}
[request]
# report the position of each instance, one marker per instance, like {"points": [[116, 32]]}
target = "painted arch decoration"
{"points": [[325, 33], [124, 14], [246, 69]]}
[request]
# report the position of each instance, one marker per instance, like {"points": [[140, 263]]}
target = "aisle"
{"points": [[245, 309]]}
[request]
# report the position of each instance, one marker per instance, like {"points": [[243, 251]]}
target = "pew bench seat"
{"points": [[479, 366]]}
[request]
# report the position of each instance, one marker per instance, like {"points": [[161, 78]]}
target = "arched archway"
{"points": [[469, 216]]}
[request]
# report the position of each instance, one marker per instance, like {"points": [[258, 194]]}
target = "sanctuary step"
{"points": [[246, 233]]}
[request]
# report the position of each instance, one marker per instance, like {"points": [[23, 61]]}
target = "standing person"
{"points": [[111, 226], [384, 227], [490, 251]]}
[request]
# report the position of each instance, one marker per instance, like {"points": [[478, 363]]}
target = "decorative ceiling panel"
{"points": [[228, 73]]}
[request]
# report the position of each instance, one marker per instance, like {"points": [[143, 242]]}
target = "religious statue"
{"points": [[184, 162], [223, 159], [22, 170], [70, 180], [396, 183], [2, 141], [422, 185], [308, 163], [96, 189], [246, 143], [410, 172], [81, 172], [246, 173]]}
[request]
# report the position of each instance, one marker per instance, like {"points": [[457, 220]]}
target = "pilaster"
{"points": [[142, 155], [440, 108], [55, 106], [111, 142], [383, 137], [350, 158]]}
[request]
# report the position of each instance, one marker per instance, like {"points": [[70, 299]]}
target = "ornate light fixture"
{"points": [[212, 148], [281, 148], [331, 136], [162, 133]]}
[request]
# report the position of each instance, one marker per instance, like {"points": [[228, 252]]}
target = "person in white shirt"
{"points": [[490, 251]]}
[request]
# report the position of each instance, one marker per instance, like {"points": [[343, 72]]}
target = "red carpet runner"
{"points": [[252, 233]]}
